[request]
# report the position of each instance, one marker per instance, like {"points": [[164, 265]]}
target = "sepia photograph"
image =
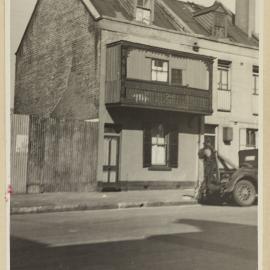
{"points": [[135, 134]]}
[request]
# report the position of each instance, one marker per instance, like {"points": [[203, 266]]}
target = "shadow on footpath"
{"points": [[221, 246]]}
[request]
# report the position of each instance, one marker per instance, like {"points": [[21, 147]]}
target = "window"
{"points": [[159, 70], [143, 11], [223, 75], [219, 29], [160, 146], [255, 71], [177, 76], [251, 137], [224, 92]]}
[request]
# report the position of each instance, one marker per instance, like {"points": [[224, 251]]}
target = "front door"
{"points": [[111, 159]]}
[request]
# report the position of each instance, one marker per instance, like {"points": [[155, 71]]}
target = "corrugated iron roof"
{"points": [[113, 8], [184, 10]]}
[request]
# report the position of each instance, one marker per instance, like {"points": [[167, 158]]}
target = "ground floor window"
{"points": [[160, 146], [251, 137], [248, 138]]}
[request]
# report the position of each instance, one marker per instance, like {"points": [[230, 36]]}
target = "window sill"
{"points": [[220, 110], [226, 90], [159, 168]]}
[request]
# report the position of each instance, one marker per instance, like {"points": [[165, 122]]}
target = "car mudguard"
{"points": [[242, 173]]}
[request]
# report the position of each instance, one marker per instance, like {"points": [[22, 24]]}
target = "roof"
{"points": [[216, 6], [115, 9], [186, 12]]}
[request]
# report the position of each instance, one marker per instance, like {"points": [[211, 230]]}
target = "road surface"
{"points": [[162, 238]]}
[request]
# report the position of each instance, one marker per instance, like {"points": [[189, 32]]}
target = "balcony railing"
{"points": [[160, 96], [224, 100], [128, 87], [255, 103]]}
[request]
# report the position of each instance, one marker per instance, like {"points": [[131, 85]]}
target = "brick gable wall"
{"points": [[57, 66]]}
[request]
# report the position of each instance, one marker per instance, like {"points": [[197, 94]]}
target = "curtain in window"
{"points": [[160, 145], [159, 70]]}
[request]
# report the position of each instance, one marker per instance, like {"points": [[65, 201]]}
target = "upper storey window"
{"points": [[159, 70], [143, 11], [255, 70], [223, 75], [224, 90], [220, 25]]}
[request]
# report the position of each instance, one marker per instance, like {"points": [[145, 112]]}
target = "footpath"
{"points": [[72, 201]]}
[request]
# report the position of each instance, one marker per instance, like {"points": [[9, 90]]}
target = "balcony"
{"points": [[130, 87], [156, 96]]}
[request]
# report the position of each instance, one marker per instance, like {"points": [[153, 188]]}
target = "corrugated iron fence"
{"points": [[19, 152], [61, 155]]}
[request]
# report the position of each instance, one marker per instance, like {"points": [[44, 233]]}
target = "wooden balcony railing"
{"points": [[160, 96]]}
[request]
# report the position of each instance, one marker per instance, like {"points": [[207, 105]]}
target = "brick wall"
{"points": [[57, 62]]}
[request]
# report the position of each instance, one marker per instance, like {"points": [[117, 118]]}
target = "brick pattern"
{"points": [[57, 66]]}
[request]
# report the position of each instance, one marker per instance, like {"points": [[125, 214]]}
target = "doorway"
{"points": [[210, 135], [111, 159]]}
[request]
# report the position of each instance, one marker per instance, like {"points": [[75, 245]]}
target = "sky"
{"points": [[21, 10]]}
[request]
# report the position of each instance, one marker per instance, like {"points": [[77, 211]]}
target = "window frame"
{"points": [[144, 8], [255, 76], [251, 141], [224, 67], [220, 25], [221, 71], [163, 136], [176, 83], [171, 148], [167, 72]]}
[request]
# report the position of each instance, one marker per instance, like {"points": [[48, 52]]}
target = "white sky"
{"points": [[21, 11]]}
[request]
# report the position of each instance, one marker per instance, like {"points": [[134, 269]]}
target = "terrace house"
{"points": [[159, 77]]}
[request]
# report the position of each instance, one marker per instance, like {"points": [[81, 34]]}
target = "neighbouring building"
{"points": [[159, 76]]}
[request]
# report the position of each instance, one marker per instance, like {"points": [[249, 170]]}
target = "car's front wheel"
{"points": [[244, 193]]}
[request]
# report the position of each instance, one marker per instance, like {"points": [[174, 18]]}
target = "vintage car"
{"points": [[233, 185], [242, 185]]}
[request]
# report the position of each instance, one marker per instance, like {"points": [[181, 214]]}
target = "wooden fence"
{"points": [[62, 155]]}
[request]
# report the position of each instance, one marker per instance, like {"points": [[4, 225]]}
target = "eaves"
{"points": [[198, 36]]}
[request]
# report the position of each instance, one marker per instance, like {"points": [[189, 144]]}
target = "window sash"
{"points": [[159, 154], [177, 76], [255, 84], [159, 70], [223, 82], [143, 15], [158, 146], [251, 138]]}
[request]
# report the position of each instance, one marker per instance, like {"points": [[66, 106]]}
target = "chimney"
{"points": [[245, 15]]}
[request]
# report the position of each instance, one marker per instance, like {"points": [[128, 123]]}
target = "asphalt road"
{"points": [[172, 238]]}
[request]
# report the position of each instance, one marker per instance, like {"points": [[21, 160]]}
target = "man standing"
{"points": [[208, 190]]}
